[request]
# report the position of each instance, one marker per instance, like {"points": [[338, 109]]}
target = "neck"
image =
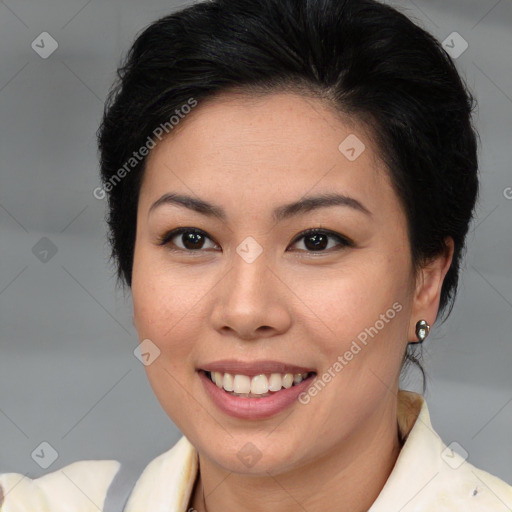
{"points": [[351, 475]]}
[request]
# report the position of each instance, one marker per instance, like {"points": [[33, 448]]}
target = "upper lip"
{"points": [[253, 368]]}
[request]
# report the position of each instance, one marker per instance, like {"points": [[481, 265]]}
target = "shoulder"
{"points": [[168, 478], [430, 476], [459, 485], [83, 483]]}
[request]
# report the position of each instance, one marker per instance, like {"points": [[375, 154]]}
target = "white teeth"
{"points": [[275, 383], [228, 382], [242, 384], [258, 385], [217, 378], [287, 381]]}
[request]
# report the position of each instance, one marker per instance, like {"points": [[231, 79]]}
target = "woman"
{"points": [[290, 185]]}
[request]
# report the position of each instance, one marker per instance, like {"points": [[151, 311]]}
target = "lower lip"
{"points": [[253, 408]]}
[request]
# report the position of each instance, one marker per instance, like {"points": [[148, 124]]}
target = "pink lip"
{"points": [[253, 368], [254, 408]]}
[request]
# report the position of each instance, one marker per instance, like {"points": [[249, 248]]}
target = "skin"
{"points": [[250, 155]]}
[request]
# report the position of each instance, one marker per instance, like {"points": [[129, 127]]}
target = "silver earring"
{"points": [[422, 330]]}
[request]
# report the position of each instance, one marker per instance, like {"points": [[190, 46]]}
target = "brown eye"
{"points": [[192, 239], [317, 240]]}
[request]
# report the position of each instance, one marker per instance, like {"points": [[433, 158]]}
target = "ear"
{"points": [[428, 289]]}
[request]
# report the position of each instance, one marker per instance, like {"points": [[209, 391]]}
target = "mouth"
{"points": [[254, 390], [257, 386]]}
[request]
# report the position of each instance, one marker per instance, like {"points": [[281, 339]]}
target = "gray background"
{"points": [[68, 375]]}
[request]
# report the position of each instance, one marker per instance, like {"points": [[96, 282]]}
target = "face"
{"points": [[244, 291]]}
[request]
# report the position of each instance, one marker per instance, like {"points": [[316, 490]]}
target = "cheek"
{"points": [[158, 303], [343, 303], [164, 316], [163, 297], [163, 313]]}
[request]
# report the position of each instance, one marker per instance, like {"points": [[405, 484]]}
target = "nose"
{"points": [[250, 302]]}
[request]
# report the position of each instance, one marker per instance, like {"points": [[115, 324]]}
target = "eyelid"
{"points": [[343, 240]]}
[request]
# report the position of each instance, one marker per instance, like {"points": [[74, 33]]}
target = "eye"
{"points": [[317, 240], [191, 238]]}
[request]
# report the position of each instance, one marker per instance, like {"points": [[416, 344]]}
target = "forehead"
{"points": [[238, 148]]}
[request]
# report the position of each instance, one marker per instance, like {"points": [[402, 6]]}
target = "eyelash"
{"points": [[343, 241]]}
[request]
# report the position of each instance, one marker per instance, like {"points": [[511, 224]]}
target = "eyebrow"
{"points": [[303, 205]]}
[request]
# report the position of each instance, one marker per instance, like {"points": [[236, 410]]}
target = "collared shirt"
{"points": [[428, 476]]}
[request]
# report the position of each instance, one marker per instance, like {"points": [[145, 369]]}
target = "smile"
{"points": [[258, 386]]}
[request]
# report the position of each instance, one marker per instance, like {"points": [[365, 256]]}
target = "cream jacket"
{"points": [[428, 476]]}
